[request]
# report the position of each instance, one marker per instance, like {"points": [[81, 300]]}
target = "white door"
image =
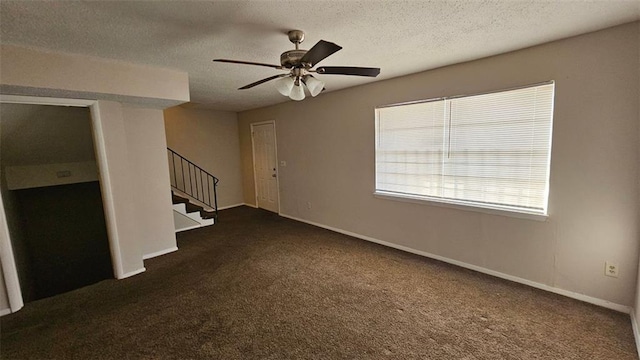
{"points": [[265, 165]]}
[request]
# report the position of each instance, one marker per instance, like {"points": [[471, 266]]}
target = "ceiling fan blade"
{"points": [[247, 63], [348, 70], [319, 51], [263, 81]]}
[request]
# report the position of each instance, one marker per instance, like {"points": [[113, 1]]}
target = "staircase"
{"points": [[193, 193]]}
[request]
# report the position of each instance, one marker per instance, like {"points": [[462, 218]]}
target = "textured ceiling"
{"points": [[400, 37]]}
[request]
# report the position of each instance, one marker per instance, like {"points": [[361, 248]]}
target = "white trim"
{"points": [[592, 300], [132, 273], [636, 332], [230, 206], [460, 205], [4, 312], [8, 263], [158, 253], [251, 205], [101, 160], [17, 99], [105, 186]]}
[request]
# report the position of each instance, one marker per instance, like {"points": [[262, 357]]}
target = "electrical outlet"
{"points": [[309, 205], [611, 269]]}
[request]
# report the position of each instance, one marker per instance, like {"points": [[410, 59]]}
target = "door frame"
{"points": [[6, 251], [253, 153]]}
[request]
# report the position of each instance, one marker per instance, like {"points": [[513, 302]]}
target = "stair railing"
{"points": [[192, 180]]}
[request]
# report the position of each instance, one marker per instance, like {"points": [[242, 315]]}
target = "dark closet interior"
{"points": [[65, 236]]}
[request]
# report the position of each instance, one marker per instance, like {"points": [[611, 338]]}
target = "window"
{"points": [[491, 150]]}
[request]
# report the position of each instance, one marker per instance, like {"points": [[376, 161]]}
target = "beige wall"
{"points": [[31, 176], [39, 134], [146, 145], [118, 192], [637, 300], [40, 141], [29, 71], [328, 144], [210, 140]]}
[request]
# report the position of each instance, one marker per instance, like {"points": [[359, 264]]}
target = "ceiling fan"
{"points": [[299, 64]]}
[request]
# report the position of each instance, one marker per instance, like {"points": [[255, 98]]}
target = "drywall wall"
{"points": [[210, 140], [39, 134], [37, 72], [118, 194], [637, 300], [31, 176], [46, 145], [146, 145], [328, 144]]}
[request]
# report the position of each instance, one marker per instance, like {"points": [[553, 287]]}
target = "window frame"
{"points": [[495, 209]]}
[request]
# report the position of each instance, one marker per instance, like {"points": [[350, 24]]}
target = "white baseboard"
{"points": [[4, 312], [158, 253], [231, 206], [251, 205], [592, 300], [132, 273], [636, 332]]}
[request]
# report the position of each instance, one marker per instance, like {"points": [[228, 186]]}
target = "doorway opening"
{"points": [[52, 198]]}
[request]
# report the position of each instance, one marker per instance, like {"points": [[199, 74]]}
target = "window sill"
{"points": [[459, 206]]}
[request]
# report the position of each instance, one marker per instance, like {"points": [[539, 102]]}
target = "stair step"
{"points": [[180, 198], [207, 214], [180, 213], [193, 208], [176, 199]]}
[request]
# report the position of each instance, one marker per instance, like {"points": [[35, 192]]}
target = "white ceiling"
{"points": [[400, 37]]}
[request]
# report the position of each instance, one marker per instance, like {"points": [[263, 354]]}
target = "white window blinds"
{"points": [[490, 150]]}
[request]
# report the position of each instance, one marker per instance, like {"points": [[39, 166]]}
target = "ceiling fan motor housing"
{"points": [[290, 59]]}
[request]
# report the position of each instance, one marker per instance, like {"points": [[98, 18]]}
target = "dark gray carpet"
{"points": [[257, 286]]}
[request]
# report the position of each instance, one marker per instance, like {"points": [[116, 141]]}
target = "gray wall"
{"points": [[328, 144]]}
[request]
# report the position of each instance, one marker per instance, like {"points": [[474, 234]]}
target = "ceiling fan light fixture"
{"points": [[314, 85], [299, 63], [284, 85], [297, 93]]}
